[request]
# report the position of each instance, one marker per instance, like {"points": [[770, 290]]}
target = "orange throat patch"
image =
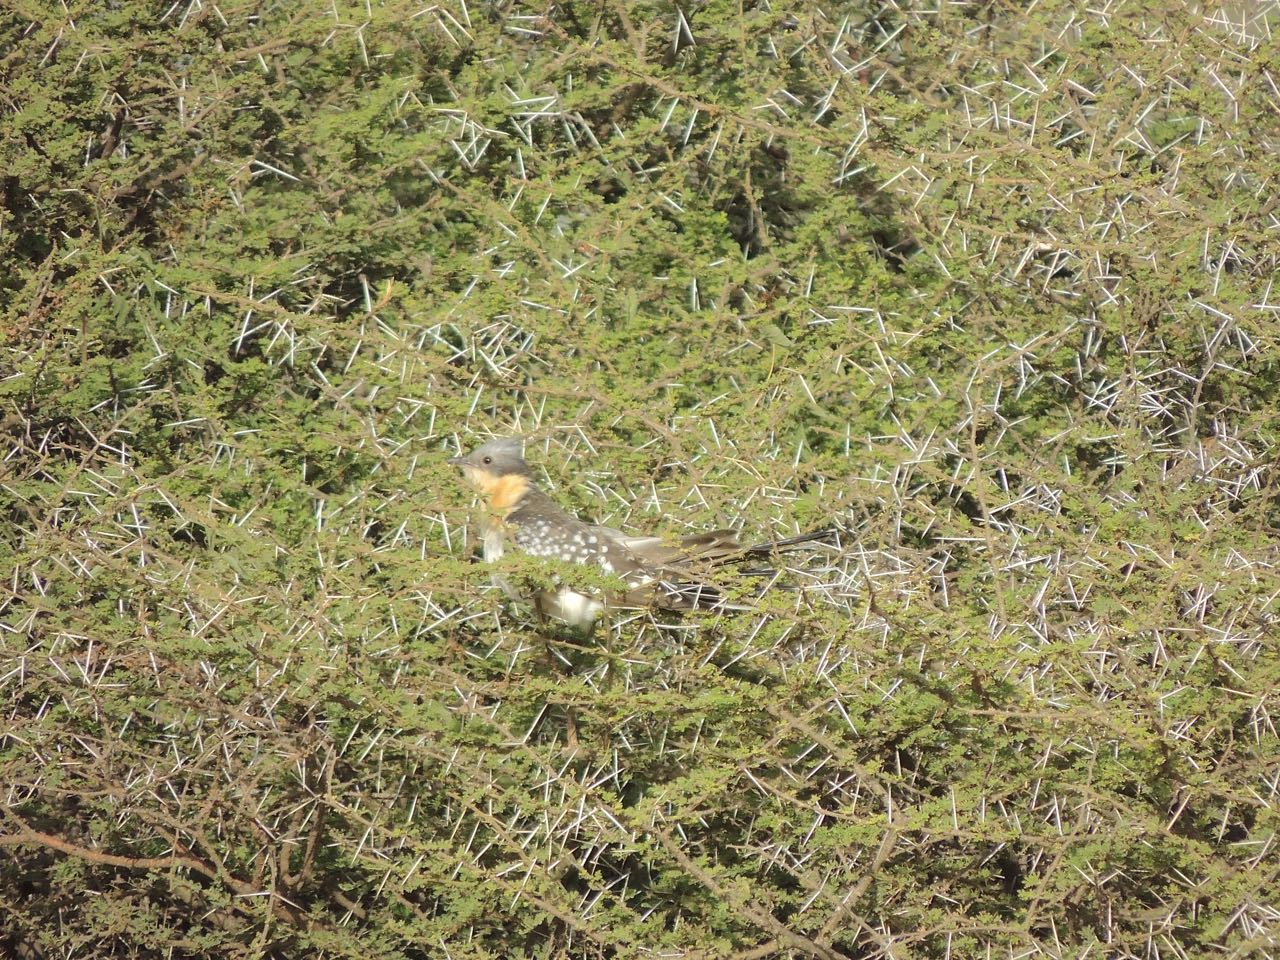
{"points": [[504, 493]]}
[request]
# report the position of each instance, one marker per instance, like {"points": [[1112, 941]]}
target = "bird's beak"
{"points": [[456, 461]]}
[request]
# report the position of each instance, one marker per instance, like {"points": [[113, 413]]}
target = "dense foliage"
{"points": [[987, 287]]}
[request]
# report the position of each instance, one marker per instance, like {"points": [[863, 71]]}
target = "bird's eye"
{"points": [[488, 460]]}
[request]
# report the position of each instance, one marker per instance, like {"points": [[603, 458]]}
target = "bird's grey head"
{"points": [[502, 457]]}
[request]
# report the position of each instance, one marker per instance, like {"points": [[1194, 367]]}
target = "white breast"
{"points": [[492, 547]]}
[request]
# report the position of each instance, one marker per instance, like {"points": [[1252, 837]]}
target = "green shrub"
{"points": [[987, 289]]}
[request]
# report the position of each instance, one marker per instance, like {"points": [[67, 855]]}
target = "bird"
{"points": [[656, 572]]}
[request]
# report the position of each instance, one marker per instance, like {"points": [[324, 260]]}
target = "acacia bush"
{"points": [[986, 288]]}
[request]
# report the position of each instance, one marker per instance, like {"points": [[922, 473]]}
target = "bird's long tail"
{"points": [[700, 595], [830, 535]]}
